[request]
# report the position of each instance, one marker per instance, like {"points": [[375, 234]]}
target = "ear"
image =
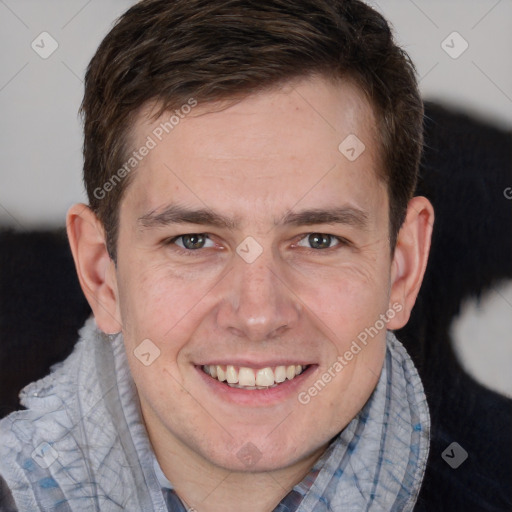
{"points": [[410, 259], [96, 271]]}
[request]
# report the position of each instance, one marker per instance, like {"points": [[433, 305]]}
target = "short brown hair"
{"points": [[169, 51]]}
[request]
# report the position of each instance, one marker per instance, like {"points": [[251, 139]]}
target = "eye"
{"points": [[192, 241], [319, 241]]}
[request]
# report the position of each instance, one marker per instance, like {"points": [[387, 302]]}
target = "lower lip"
{"points": [[257, 397]]}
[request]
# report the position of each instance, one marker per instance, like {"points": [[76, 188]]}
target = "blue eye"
{"points": [[320, 241], [191, 241]]}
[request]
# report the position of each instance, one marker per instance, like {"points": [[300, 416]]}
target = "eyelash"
{"points": [[342, 242]]}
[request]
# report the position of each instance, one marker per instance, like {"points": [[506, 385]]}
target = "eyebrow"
{"points": [[343, 215], [176, 214]]}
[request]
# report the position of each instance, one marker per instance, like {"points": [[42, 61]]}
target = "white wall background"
{"points": [[40, 172]]}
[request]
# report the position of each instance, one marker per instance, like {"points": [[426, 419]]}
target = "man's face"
{"points": [[249, 287]]}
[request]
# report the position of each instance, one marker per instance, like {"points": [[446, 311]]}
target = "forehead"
{"points": [[314, 104], [282, 141]]}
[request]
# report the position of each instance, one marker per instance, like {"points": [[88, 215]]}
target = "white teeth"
{"points": [[221, 374], [246, 378], [231, 374], [280, 374], [264, 377], [249, 378]]}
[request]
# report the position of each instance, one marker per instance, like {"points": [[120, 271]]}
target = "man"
{"points": [[251, 241]]}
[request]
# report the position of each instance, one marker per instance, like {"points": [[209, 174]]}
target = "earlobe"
{"points": [[410, 258], [95, 269]]}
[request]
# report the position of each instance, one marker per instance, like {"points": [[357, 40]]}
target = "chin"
{"points": [[254, 454]]}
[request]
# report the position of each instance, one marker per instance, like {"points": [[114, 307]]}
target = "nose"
{"points": [[257, 304]]}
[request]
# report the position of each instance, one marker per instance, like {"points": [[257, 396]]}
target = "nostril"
{"points": [[276, 333]]}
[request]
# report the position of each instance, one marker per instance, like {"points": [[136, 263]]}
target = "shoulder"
{"points": [[35, 441], [6, 500], [28, 440]]}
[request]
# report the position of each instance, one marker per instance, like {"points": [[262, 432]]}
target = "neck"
{"points": [[204, 486], [232, 492], [209, 488]]}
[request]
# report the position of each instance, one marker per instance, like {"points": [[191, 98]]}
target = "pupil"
{"points": [[319, 241], [193, 241]]}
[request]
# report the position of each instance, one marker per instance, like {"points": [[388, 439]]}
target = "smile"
{"points": [[253, 378]]}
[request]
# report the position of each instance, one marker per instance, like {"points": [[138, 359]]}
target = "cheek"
{"points": [[154, 303], [347, 299], [164, 311]]}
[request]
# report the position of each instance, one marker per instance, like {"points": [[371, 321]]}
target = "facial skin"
{"points": [[254, 162]]}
